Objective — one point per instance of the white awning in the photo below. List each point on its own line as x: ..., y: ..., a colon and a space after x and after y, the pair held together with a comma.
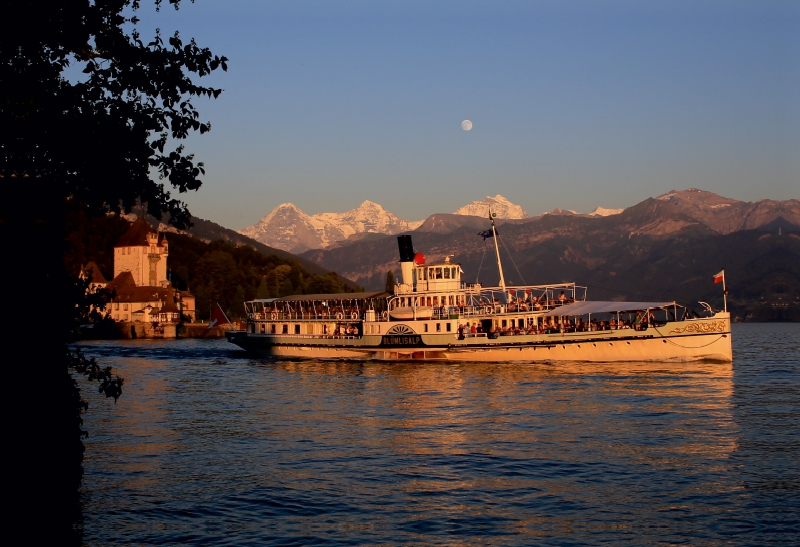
x: 583, y: 307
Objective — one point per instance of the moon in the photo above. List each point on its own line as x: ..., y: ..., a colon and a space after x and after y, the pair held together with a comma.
x: 466, y: 125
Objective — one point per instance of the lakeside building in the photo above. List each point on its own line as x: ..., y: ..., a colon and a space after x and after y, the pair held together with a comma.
x: 143, y: 291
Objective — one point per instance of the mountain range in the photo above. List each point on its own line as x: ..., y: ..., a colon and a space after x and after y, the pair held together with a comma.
x: 663, y: 247
x: 289, y: 228
x: 666, y: 247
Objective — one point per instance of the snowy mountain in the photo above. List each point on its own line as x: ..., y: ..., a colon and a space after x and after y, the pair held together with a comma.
x: 290, y: 229
x: 497, y: 204
x: 603, y: 212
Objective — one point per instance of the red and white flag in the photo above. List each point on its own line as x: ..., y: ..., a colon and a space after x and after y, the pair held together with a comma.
x: 720, y: 277
x: 217, y: 317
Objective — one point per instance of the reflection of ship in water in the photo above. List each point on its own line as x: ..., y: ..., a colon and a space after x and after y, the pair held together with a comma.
x: 543, y: 439
x: 532, y: 410
x: 435, y: 315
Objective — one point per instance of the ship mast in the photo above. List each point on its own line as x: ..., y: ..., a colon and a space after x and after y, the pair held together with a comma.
x: 497, y: 251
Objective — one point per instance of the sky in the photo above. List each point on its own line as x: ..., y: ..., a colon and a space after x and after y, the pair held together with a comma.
x: 574, y: 104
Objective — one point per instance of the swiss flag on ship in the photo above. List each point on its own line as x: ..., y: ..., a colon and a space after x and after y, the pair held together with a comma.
x: 217, y: 317
x: 720, y: 277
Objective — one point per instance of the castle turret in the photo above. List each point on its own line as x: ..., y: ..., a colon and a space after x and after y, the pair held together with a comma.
x: 140, y: 253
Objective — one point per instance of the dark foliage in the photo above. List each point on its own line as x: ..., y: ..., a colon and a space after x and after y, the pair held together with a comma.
x: 90, y: 142
x: 389, y: 282
x: 227, y: 274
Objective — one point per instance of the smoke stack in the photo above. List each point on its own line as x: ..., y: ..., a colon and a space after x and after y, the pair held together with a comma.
x: 406, y: 258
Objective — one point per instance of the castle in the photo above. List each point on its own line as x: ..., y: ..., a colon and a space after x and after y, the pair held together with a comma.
x: 143, y: 292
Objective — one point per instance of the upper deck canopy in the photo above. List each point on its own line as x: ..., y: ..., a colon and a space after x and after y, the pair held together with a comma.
x: 325, y: 297
x: 584, y: 307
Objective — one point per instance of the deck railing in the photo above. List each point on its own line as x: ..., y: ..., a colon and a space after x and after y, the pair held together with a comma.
x: 439, y: 313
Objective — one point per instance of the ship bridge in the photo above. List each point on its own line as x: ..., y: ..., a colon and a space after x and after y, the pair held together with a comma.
x: 445, y: 276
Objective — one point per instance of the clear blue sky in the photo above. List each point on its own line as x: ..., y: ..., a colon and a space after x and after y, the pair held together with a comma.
x: 575, y: 104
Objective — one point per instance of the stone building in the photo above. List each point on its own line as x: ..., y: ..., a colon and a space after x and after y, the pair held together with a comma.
x: 143, y: 293
x: 140, y: 252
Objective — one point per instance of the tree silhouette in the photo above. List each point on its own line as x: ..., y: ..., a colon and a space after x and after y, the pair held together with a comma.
x: 390, y: 282
x: 96, y: 141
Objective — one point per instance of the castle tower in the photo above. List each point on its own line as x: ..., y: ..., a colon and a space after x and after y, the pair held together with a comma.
x: 141, y: 253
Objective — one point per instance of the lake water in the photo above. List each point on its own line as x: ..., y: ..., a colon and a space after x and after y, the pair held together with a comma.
x: 209, y: 447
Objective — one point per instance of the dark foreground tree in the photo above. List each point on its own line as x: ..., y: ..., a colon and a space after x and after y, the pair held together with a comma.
x: 92, y: 141
x: 390, y: 282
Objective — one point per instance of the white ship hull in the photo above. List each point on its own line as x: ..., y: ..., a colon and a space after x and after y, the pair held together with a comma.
x: 706, y: 339
x: 435, y: 316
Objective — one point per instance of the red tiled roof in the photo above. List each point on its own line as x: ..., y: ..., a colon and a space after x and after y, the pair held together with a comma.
x: 127, y: 291
x: 136, y: 236
x: 96, y: 274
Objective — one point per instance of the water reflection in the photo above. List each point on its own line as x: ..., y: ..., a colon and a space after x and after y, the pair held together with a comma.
x: 206, y: 442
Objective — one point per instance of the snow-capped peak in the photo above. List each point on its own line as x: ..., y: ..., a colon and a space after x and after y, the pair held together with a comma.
x: 603, y: 212
x: 497, y: 204
x: 289, y: 228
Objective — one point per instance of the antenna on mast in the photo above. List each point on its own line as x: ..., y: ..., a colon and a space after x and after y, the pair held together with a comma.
x: 497, y: 252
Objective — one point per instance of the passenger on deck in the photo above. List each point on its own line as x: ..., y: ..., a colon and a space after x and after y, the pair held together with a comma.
x: 562, y: 298
x: 473, y: 329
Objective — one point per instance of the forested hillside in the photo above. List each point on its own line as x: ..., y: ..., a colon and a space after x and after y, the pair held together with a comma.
x: 215, y: 272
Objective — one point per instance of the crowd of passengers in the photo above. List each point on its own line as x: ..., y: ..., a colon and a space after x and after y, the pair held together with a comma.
x: 537, y: 303
x: 641, y: 322
x: 304, y: 311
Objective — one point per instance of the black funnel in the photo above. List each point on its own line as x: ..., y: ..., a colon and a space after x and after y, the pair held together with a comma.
x: 406, y: 248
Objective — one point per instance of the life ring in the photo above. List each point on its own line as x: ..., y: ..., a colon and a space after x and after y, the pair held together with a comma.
x: 354, y: 316
x: 339, y: 315
x: 385, y: 315
x: 273, y: 316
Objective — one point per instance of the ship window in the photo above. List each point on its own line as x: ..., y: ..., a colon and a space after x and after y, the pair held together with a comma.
x: 435, y: 301
x: 285, y: 329
x: 272, y: 329
x: 447, y: 273
x: 449, y: 327
x: 426, y: 327
x: 438, y: 327
x: 438, y: 273
x: 297, y: 329
x: 379, y: 329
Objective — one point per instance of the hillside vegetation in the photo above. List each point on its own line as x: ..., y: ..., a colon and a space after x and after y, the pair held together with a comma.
x: 215, y: 272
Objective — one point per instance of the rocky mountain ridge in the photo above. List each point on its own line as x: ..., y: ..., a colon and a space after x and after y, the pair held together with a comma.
x: 663, y: 247
x: 287, y: 227
x: 497, y: 204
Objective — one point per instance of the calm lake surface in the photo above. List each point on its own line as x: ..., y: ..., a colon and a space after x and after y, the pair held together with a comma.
x: 209, y: 447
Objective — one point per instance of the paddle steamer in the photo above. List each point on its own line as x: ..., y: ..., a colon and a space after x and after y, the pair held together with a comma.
x: 435, y: 315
